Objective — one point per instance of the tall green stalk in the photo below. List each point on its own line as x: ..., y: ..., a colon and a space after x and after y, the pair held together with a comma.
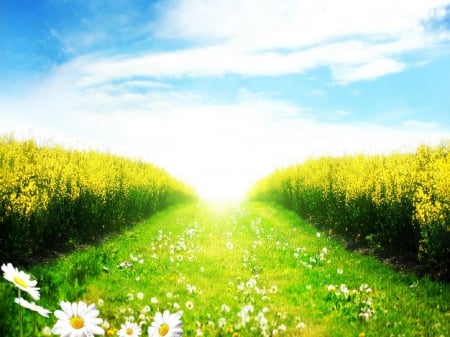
x: 20, y: 317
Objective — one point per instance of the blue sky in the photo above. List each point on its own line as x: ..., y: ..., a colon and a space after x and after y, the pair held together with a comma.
x: 221, y: 93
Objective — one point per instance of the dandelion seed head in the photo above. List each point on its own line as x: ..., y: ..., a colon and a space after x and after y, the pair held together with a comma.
x: 189, y: 305
x: 300, y: 326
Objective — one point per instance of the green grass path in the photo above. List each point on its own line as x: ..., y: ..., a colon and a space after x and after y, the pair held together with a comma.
x: 245, y: 270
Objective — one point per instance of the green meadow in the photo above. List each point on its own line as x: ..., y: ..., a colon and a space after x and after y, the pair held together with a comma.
x: 237, y: 269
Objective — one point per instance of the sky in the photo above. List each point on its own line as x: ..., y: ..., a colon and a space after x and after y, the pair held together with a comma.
x: 222, y: 93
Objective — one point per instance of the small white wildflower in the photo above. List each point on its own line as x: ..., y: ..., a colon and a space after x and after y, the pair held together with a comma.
x: 129, y: 329
x: 77, y: 319
x: 166, y: 324
x: 21, y: 280
x: 191, y: 288
x: 222, y: 322
x: 300, y: 325
x: 46, y: 331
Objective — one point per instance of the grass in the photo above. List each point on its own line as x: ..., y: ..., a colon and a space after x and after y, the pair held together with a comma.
x: 240, y: 270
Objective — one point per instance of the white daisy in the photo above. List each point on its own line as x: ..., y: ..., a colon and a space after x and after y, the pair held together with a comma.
x: 225, y: 308
x: 21, y: 280
x: 77, y: 320
x: 166, y: 325
x: 129, y: 330
x: 32, y: 306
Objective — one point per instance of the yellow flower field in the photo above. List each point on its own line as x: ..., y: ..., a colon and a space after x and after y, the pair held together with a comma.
x: 52, y: 197
x: 398, y: 203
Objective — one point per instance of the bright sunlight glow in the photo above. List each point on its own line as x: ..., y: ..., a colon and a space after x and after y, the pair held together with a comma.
x: 222, y: 150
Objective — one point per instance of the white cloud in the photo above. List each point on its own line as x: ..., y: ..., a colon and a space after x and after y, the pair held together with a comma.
x: 420, y: 126
x: 369, y: 36
x: 356, y: 40
x: 349, y: 61
x: 377, y: 68
x: 291, y: 23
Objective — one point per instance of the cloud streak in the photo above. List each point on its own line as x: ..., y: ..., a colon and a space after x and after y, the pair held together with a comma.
x: 349, y: 61
x: 355, y: 40
x: 291, y: 24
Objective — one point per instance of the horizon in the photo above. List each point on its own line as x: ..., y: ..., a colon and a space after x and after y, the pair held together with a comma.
x: 221, y: 93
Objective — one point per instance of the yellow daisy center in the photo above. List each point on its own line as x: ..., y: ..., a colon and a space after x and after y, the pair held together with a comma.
x: 20, y: 281
x: 76, y: 322
x: 163, y: 329
x: 129, y: 331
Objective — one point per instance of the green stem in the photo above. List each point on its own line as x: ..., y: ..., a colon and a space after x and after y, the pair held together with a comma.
x: 34, y: 324
x: 20, y: 318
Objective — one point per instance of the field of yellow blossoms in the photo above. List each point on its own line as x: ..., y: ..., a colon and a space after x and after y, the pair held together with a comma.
x: 51, y: 197
x: 397, y: 203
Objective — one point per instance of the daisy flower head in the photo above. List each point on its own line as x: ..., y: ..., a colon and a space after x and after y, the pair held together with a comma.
x: 129, y: 329
x: 77, y: 320
x: 166, y: 325
x: 32, y: 306
x: 21, y: 280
